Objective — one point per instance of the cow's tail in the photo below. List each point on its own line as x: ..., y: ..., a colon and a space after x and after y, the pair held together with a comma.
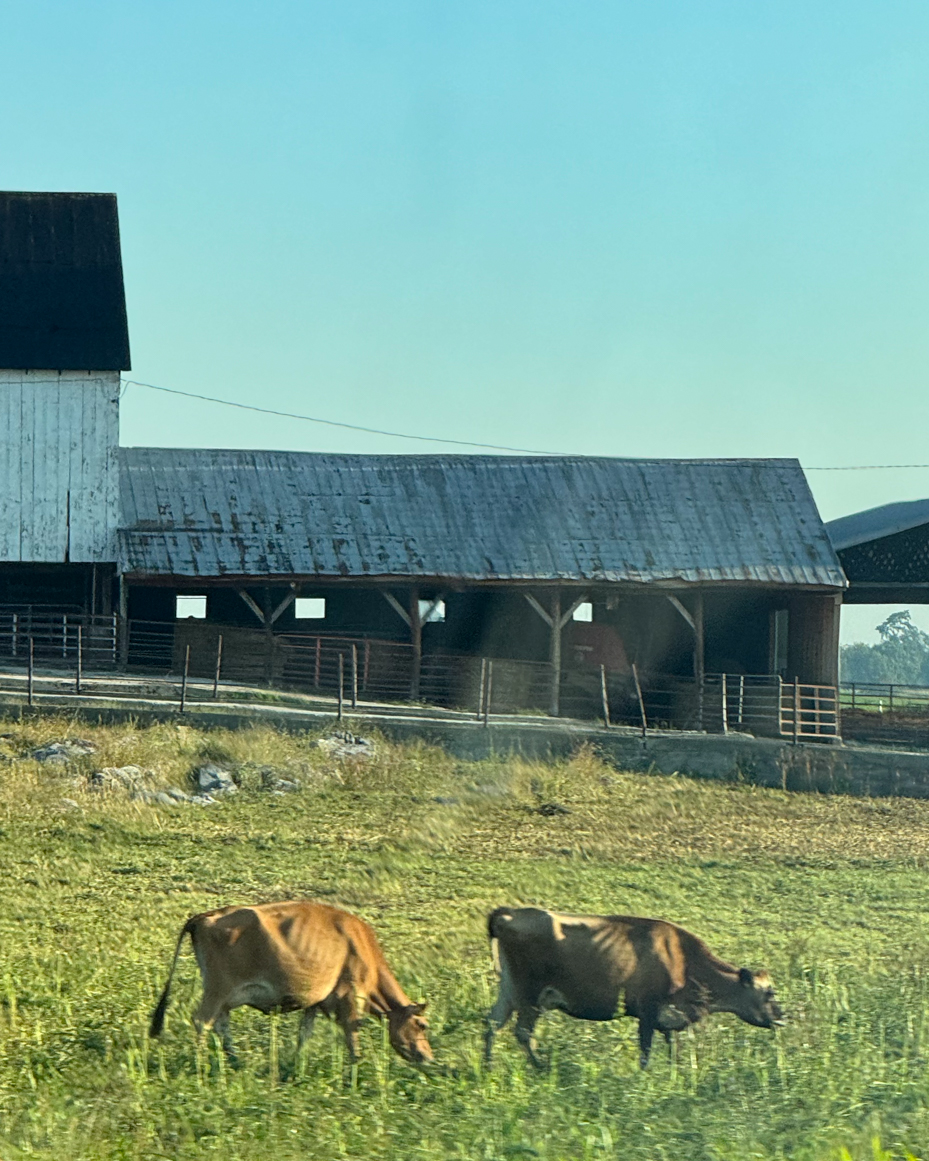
x: 493, y: 923
x: 158, y: 1016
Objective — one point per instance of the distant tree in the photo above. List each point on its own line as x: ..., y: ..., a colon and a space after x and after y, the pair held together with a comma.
x: 901, y: 656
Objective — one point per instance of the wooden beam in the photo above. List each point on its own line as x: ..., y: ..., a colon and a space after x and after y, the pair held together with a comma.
x: 397, y: 607
x: 572, y: 609
x: 543, y: 613
x: 557, y: 625
x: 285, y: 604
x: 416, y: 637
x: 683, y: 610
x: 251, y: 604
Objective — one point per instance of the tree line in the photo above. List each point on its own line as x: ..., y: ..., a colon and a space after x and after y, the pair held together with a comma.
x: 901, y: 656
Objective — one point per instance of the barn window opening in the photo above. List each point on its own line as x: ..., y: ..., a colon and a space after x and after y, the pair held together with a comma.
x: 583, y: 612
x: 310, y: 608
x: 431, y: 612
x: 187, y: 606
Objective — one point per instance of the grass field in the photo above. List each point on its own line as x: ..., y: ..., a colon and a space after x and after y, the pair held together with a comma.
x: 828, y: 893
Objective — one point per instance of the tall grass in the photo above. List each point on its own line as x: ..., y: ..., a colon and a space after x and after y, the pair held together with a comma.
x: 829, y: 894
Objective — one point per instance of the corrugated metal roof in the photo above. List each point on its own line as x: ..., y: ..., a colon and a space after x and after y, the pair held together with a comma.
x: 257, y: 513
x: 62, y: 303
x: 876, y: 523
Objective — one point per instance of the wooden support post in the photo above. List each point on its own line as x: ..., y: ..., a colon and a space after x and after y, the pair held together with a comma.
x: 604, y: 697
x: 184, y: 678
x: 480, y: 688
x: 341, y: 684
x: 638, y: 692
x: 554, y: 707
x: 725, y: 702
x: 699, y: 673
x: 80, y: 660
x: 354, y: 676
x: 123, y: 623
x: 489, y: 692
x: 30, y: 675
x: 416, y: 637
x: 319, y: 651
x: 796, y: 709
x: 219, y: 666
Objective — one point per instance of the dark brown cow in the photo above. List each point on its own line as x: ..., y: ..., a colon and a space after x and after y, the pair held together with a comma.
x: 301, y: 956
x: 584, y: 965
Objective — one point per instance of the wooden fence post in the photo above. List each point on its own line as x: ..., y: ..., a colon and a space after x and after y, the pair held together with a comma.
x: 354, y: 676
x: 796, y: 708
x: 30, y: 674
x: 489, y: 692
x: 725, y: 704
x: 80, y: 651
x: 319, y: 652
x: 341, y: 684
x: 638, y: 691
x: 219, y: 666
x: 481, y: 687
x: 741, y: 697
x: 184, y: 678
x: 604, y: 697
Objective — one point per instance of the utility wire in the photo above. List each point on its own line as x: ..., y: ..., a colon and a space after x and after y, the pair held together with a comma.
x: 337, y: 423
x: 457, y: 442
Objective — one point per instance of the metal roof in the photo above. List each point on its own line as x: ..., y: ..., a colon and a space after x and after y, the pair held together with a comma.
x: 62, y: 303
x: 876, y: 523
x: 211, y: 513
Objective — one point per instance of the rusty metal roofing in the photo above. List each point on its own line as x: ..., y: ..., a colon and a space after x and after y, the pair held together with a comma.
x: 62, y: 303
x: 876, y: 523
x: 211, y: 513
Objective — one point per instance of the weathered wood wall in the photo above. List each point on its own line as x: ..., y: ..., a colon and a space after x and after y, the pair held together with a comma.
x: 59, y: 476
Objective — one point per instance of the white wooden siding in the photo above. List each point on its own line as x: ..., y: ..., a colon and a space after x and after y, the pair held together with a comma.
x: 59, y: 472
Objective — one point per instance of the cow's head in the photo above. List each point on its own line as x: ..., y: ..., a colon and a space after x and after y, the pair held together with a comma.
x: 756, y: 1003
x: 407, y: 1030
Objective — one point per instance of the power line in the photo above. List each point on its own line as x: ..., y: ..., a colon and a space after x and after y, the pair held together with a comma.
x: 337, y: 423
x: 456, y: 442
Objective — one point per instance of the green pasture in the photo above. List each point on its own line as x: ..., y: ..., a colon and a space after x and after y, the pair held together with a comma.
x: 830, y: 894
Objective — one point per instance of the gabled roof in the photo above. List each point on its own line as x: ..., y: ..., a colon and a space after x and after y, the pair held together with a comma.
x: 876, y: 523
x: 62, y: 303
x: 522, y: 518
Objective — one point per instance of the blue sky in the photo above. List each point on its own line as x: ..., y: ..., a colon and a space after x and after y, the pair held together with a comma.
x: 670, y: 229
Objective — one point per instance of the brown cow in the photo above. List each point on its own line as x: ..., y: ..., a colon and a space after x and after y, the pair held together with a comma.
x: 291, y: 957
x: 584, y: 965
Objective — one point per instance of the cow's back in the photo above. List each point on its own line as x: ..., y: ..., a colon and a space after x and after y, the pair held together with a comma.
x: 282, y: 954
x: 586, y: 964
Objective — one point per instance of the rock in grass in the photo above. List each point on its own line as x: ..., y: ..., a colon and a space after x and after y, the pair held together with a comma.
x: 345, y: 745
x: 60, y: 753
x: 116, y: 777
x: 213, y: 779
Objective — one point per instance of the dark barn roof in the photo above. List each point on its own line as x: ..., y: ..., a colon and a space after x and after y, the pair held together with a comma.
x: 62, y: 303
x: 216, y: 513
x: 885, y: 552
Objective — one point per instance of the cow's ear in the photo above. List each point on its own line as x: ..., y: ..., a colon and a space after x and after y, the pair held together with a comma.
x: 418, y: 1009
x: 746, y: 979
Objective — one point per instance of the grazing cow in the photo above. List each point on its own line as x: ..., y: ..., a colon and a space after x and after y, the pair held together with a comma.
x: 584, y: 965
x: 300, y: 956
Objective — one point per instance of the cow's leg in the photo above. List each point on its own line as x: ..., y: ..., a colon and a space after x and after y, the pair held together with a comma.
x: 497, y: 1017
x: 307, y: 1020
x: 648, y: 1022
x: 222, y: 1029
x: 349, y: 1020
x: 525, y: 1026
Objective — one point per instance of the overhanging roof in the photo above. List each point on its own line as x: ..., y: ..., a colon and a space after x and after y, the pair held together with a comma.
x: 876, y: 523
x: 212, y: 513
x: 62, y: 303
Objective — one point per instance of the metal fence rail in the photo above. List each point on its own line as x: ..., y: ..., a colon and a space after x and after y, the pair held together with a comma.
x: 57, y: 637
x: 885, y: 712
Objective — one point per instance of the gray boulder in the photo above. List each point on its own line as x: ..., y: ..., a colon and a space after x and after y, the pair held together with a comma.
x: 60, y: 753
x: 213, y: 779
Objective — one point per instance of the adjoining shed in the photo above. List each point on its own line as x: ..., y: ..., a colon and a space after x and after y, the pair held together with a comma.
x: 885, y: 553
x: 681, y: 566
